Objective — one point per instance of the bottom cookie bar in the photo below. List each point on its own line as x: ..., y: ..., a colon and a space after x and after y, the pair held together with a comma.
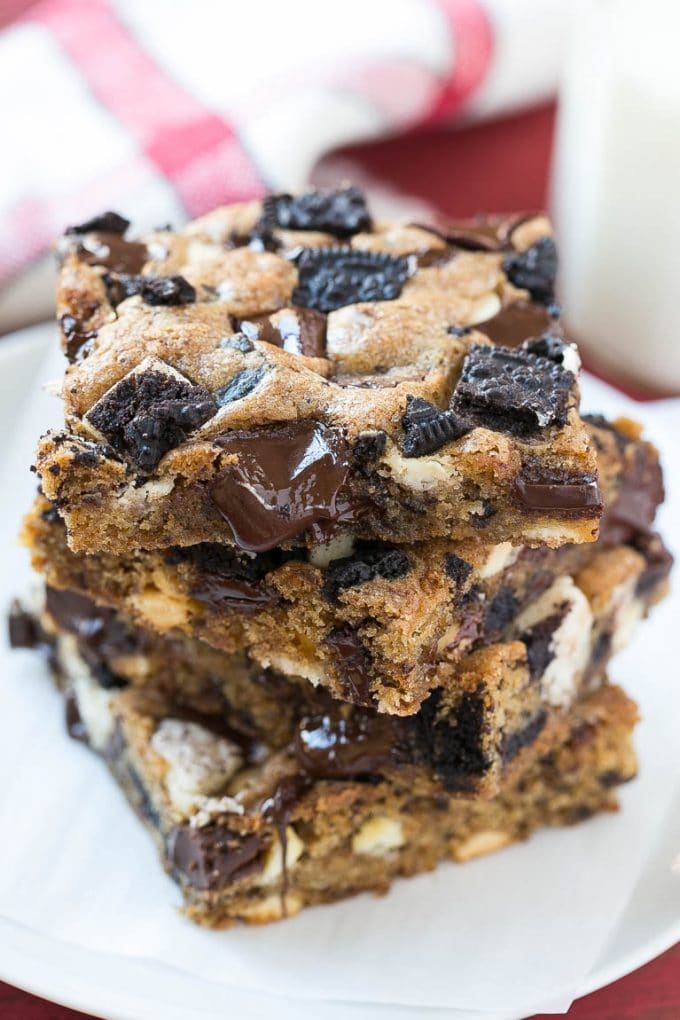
x: 255, y: 834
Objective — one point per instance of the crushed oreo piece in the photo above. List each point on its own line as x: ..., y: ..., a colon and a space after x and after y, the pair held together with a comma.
x: 458, y: 330
x: 108, y: 222
x: 369, y: 561
x: 353, y: 663
x: 150, y: 412
x: 369, y: 447
x: 330, y: 278
x: 513, y: 743
x: 501, y: 612
x: 535, y: 269
x: 239, y: 342
x: 511, y: 390
x: 223, y: 580
x: 427, y: 428
x: 457, y: 569
x: 538, y: 641
x: 154, y: 290
x: 342, y: 212
x: 549, y: 346
x: 452, y: 741
x: 240, y: 386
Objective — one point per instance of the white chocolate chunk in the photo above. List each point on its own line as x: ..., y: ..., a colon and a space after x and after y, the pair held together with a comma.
x: 485, y: 842
x: 273, y: 861
x: 377, y: 836
x: 501, y: 556
x: 338, y: 547
x: 93, y: 701
x: 417, y: 472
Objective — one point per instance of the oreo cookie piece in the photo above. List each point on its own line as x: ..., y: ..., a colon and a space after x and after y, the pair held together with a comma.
x: 554, y: 348
x: 457, y: 569
x: 427, y: 428
x: 223, y: 580
x: 107, y: 222
x: 150, y: 411
x: 511, y: 390
x: 330, y: 278
x: 341, y: 212
x: 534, y: 269
x: 240, y: 386
x: 154, y: 290
x: 451, y: 742
x: 370, y: 560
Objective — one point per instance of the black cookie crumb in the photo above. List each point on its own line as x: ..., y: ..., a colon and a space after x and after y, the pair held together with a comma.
x: 77, y: 341
x: 108, y: 222
x: 457, y: 569
x: 148, y: 413
x: 370, y: 560
x: 459, y: 330
x: 240, y: 386
x: 237, y: 343
x: 342, y: 213
x: 452, y: 741
x: 369, y: 447
x: 535, y: 269
x: 512, y: 390
x: 502, y: 610
x: 538, y: 641
x: 330, y: 278
x: 547, y: 346
x: 513, y: 743
x: 157, y: 290
x: 427, y: 428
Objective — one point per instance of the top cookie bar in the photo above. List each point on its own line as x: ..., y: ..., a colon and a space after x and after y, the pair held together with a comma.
x: 282, y: 371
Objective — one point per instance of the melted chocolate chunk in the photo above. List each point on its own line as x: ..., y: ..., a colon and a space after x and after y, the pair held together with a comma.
x: 113, y: 252
x: 511, y: 390
x: 332, y: 746
x: 148, y: 413
x: 427, y: 428
x: 501, y: 612
x: 24, y: 630
x: 109, y: 222
x: 452, y: 742
x: 330, y: 278
x: 485, y: 233
x: 353, y: 663
x: 212, y: 856
x: 297, y: 330
x: 639, y: 491
x: 226, y: 581
x: 534, y: 269
x: 97, y: 628
x: 240, y: 386
x: 516, y: 323
x: 287, y: 479
x: 76, y: 339
x: 341, y: 213
x: 538, y: 641
x: 513, y: 743
x: 154, y: 290
x: 369, y: 447
x: 457, y: 569
x: 368, y: 561
x: 568, y: 493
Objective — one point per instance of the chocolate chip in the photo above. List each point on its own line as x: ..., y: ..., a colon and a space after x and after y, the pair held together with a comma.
x: 511, y: 390
x: 150, y: 412
x: 369, y: 561
x: 332, y: 277
x: 287, y: 478
x: 513, y: 743
x: 224, y: 581
x: 369, y: 447
x: 237, y: 343
x: 98, y: 629
x: 212, y: 856
x: 558, y: 492
x: 516, y: 322
x: 108, y: 222
x: 154, y: 290
x: 427, y: 428
x: 353, y: 663
x: 342, y: 212
x: 240, y: 386
x: 457, y: 569
x: 502, y: 610
x: 534, y: 269
x: 451, y: 741
x: 335, y: 746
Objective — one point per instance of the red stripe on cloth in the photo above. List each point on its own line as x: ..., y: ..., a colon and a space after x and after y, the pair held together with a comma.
x: 472, y: 43
x: 171, y: 127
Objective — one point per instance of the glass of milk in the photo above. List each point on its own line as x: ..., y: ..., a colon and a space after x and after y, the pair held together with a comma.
x: 616, y: 188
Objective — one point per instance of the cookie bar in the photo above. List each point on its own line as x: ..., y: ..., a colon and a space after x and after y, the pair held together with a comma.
x: 374, y: 623
x: 288, y: 371
x: 254, y: 835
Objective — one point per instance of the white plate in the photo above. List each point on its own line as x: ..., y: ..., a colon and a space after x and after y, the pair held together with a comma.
x: 118, y: 986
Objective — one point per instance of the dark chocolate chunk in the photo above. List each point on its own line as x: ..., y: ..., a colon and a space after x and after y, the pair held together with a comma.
x: 483, y: 233
x: 76, y: 339
x: 112, y: 251
x: 148, y: 413
x: 369, y: 447
x: 368, y: 561
x: 342, y: 212
x: 226, y: 581
x: 516, y: 323
x: 353, y: 663
x: 334, y: 746
x: 238, y: 343
x: 457, y: 569
x: 538, y: 641
x: 511, y: 390
x: 427, y: 428
x: 97, y: 628
x: 513, y: 743
x: 109, y: 222
x: 212, y: 856
x: 451, y: 741
x: 639, y: 491
x: 534, y: 269
x: 287, y: 478
x: 297, y: 330
x: 568, y: 493
x: 24, y: 629
x: 501, y: 612
x: 154, y: 290
x: 332, y: 277
x: 659, y: 563
x: 240, y: 386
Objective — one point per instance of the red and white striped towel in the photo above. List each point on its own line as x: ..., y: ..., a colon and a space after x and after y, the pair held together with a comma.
x: 166, y: 108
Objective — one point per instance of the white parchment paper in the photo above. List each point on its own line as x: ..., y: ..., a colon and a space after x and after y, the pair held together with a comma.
x: 508, y: 934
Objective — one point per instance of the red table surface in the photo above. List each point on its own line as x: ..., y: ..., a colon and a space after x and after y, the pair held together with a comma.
x: 499, y: 166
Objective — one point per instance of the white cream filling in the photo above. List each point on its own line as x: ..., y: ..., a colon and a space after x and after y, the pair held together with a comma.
x: 200, y: 763
x: 93, y: 701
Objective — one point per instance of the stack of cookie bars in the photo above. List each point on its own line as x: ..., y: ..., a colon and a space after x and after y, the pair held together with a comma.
x: 333, y: 565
